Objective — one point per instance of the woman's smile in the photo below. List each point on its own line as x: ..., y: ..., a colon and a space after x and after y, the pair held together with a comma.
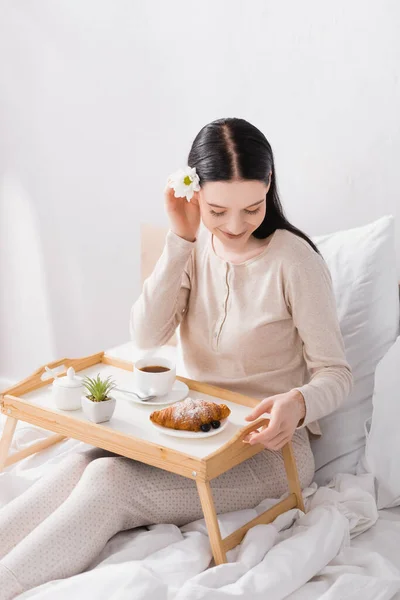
x: 232, y: 236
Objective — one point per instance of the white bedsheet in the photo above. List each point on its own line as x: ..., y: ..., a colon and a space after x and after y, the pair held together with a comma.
x: 334, y: 551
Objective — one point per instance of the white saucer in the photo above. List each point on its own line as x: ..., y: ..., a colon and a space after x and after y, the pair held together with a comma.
x: 179, y: 392
x: 191, y: 434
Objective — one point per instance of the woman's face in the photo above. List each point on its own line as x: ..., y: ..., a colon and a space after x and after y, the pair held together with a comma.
x: 232, y: 210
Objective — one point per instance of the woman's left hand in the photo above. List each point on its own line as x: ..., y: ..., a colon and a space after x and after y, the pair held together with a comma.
x: 286, y: 410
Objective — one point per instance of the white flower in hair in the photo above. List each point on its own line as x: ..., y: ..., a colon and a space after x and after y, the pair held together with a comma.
x: 184, y: 182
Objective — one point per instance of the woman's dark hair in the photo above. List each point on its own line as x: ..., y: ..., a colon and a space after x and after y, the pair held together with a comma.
x: 232, y: 148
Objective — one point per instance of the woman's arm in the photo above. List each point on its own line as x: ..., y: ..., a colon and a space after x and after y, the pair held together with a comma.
x: 160, y: 308
x: 312, y: 304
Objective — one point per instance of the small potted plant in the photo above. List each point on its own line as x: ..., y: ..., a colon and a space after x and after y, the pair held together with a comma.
x: 98, y: 405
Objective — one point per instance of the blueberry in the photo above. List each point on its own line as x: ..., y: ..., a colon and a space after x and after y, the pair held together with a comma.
x: 215, y: 424
x: 206, y: 427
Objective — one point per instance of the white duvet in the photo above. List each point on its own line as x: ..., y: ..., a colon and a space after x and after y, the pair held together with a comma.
x: 299, y: 556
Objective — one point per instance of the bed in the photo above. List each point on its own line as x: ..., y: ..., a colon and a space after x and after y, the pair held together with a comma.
x: 309, y: 556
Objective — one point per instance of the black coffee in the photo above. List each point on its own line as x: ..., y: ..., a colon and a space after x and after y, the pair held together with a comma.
x: 154, y: 369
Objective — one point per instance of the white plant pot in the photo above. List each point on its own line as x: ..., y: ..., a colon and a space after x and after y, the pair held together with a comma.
x: 98, y: 412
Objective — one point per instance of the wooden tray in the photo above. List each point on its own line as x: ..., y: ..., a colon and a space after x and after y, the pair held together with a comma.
x: 130, y: 433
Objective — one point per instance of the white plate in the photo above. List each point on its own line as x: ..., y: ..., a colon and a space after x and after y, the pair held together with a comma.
x: 179, y: 392
x: 191, y: 434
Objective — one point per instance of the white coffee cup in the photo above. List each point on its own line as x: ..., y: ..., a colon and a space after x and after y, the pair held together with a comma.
x: 154, y: 383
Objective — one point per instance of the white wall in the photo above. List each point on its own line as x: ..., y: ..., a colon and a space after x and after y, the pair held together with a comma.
x: 99, y: 102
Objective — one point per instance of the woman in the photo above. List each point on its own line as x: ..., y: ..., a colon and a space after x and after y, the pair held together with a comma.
x: 257, y: 315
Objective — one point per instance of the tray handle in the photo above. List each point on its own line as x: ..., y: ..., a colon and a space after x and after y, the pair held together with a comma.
x: 36, y: 380
x: 236, y: 444
x: 241, y: 434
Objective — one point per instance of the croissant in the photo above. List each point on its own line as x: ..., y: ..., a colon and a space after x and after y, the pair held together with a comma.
x: 190, y: 414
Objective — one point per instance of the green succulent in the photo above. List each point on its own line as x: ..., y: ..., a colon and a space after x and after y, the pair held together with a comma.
x: 98, y: 388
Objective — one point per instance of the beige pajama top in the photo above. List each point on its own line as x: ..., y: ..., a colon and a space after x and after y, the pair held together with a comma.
x: 262, y: 327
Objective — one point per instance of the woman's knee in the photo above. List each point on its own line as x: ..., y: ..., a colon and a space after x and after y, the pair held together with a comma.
x: 110, y: 471
x: 75, y: 463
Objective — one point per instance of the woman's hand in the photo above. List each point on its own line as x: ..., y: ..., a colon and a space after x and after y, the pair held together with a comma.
x: 184, y: 216
x: 286, y: 410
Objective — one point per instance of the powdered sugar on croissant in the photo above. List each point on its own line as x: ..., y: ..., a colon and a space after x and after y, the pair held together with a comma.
x: 190, y: 414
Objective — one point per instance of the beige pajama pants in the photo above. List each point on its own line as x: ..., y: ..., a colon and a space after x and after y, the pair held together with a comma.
x: 57, y: 527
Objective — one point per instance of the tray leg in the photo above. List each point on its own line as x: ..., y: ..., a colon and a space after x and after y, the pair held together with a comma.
x: 7, y: 459
x: 6, y: 439
x: 210, y: 516
x: 36, y: 447
x: 292, y: 474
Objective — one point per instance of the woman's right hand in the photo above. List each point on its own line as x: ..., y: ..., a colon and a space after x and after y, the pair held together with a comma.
x: 184, y: 216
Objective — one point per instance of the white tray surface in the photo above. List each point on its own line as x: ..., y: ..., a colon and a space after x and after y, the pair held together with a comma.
x: 133, y: 419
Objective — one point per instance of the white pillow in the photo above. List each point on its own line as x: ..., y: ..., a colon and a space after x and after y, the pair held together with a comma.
x: 382, y: 448
x: 362, y: 262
